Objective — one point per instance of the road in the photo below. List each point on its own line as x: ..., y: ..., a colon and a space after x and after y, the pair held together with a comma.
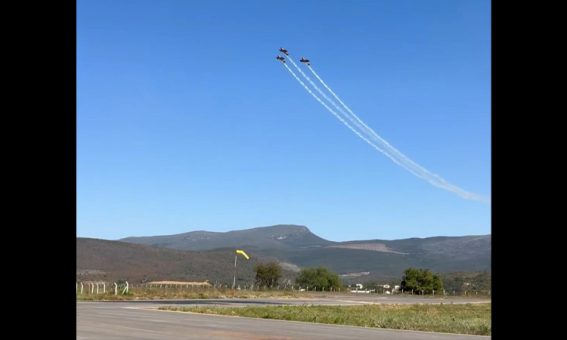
x: 329, y: 300
x: 142, y: 320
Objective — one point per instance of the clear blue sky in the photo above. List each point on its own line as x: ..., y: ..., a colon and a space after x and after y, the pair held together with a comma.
x: 186, y: 121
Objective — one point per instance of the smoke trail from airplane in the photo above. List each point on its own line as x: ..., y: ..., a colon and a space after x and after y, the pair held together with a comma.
x: 340, y: 109
x: 385, y: 148
x: 408, y: 164
x: 339, y: 117
x: 351, y: 117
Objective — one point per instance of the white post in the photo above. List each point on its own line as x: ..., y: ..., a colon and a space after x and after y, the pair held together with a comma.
x: 234, y: 279
x: 433, y: 292
x: 81, y: 288
x: 76, y: 287
x: 97, y: 287
x: 104, y: 288
x: 115, y: 288
x: 92, y: 288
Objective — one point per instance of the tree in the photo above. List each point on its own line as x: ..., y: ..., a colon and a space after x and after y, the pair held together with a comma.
x: 421, y: 280
x: 268, y: 274
x: 318, y: 278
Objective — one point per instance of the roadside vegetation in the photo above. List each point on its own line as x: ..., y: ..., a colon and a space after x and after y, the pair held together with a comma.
x: 422, y: 281
x: 315, y: 282
x: 319, y: 278
x: 268, y: 274
x: 173, y: 293
x: 448, y: 318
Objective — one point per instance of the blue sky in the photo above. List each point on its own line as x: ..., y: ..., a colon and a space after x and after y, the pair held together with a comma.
x: 186, y: 121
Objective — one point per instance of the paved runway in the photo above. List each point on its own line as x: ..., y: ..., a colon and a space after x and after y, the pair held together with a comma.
x: 142, y: 320
x: 334, y: 300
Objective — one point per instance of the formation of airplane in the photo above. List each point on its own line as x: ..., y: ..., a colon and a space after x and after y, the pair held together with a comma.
x: 305, y: 61
x: 284, y: 51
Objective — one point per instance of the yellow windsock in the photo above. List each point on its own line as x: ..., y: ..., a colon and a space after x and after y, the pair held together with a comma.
x: 243, y: 253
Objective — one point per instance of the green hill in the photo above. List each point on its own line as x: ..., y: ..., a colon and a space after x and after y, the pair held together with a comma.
x: 298, y: 246
x: 114, y: 260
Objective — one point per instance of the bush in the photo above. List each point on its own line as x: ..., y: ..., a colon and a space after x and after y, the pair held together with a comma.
x: 421, y: 280
x: 318, y: 278
x: 268, y: 274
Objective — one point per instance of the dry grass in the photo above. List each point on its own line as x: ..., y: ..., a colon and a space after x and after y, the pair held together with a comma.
x: 196, y: 293
x: 458, y: 318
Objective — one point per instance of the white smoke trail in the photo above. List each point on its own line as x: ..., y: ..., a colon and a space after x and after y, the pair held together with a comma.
x: 339, y: 117
x: 365, y: 127
x: 351, y: 117
x: 432, y: 178
x: 386, y: 149
x: 340, y: 109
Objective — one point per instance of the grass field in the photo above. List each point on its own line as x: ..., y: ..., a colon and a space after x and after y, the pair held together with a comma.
x: 160, y: 293
x: 463, y: 319
x: 155, y: 293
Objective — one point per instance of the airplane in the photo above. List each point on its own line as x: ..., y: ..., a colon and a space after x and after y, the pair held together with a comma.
x: 283, y: 50
x: 282, y: 59
x: 305, y: 61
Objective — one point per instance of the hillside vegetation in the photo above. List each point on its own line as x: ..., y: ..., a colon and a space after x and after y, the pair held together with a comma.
x: 200, y: 255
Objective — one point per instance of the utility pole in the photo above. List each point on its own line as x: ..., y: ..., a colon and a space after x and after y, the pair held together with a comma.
x: 234, y: 279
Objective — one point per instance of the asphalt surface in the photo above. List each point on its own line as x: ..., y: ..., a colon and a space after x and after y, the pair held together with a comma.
x: 142, y: 320
x: 334, y: 300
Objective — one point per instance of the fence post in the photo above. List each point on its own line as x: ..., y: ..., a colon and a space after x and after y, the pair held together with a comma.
x: 92, y: 288
x: 115, y: 288
x: 433, y: 292
x: 82, y: 288
x: 104, y: 287
x: 97, y: 287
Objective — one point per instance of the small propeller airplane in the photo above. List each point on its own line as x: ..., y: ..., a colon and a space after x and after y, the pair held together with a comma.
x: 305, y: 61
x: 283, y: 50
x: 282, y: 59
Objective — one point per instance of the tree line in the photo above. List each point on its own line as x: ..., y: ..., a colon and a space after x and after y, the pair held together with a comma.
x: 319, y: 278
x: 420, y: 281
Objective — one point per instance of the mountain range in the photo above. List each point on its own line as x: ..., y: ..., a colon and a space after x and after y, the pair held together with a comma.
x: 199, y: 255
